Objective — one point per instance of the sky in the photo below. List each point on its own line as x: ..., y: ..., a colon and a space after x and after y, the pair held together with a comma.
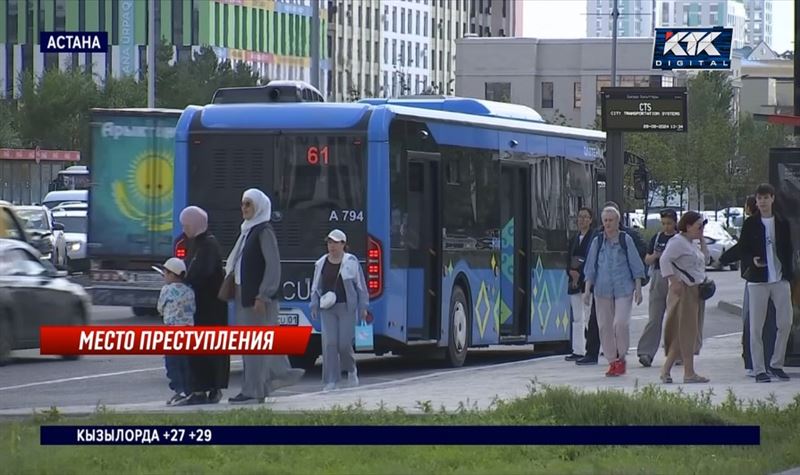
x: 566, y: 19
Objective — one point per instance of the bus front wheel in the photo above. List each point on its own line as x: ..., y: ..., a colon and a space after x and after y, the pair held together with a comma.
x: 459, y: 328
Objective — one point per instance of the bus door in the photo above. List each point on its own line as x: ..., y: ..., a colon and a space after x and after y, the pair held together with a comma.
x: 515, y: 249
x: 784, y: 175
x: 424, y: 235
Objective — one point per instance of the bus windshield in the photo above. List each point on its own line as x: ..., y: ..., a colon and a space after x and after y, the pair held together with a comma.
x: 316, y: 183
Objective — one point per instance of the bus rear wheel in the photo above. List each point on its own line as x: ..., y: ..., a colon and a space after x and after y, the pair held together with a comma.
x: 459, y: 328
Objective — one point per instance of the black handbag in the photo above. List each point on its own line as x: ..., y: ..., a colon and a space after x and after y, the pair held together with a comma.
x: 707, y: 288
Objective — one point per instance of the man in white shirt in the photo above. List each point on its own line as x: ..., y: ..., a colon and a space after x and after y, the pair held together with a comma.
x: 766, y: 251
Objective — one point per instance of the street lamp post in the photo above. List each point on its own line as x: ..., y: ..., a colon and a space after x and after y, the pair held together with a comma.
x: 615, y: 148
x: 151, y: 54
x: 614, y: 18
x: 315, y: 46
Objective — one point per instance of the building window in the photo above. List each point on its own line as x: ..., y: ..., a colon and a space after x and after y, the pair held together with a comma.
x: 417, y: 25
x: 385, y: 51
x: 547, y: 95
x: 425, y: 25
x: 368, y: 18
x: 498, y: 91
x: 576, y: 95
x: 402, y: 20
x: 394, y: 19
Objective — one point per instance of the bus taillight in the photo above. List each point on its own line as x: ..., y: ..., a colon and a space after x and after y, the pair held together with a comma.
x: 180, y: 249
x: 374, y: 267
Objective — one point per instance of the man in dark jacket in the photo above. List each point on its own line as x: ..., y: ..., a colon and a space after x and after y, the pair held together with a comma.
x: 766, y: 252
x: 593, y: 331
x: 578, y: 247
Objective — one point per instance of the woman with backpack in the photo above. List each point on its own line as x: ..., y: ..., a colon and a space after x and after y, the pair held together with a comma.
x: 651, y: 336
x: 614, y: 273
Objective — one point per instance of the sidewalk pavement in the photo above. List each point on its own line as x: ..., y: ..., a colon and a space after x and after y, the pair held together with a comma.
x: 720, y: 359
x: 734, y: 307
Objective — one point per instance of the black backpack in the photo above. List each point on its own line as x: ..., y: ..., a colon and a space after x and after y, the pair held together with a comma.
x: 623, y: 242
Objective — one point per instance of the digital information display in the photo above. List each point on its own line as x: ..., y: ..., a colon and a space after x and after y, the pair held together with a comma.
x: 635, y: 109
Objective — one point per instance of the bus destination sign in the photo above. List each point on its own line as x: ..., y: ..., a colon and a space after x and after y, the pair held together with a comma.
x: 634, y: 109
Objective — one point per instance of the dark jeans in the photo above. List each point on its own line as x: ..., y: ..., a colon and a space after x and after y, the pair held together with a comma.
x: 767, y: 337
x: 178, y: 373
x: 593, y: 335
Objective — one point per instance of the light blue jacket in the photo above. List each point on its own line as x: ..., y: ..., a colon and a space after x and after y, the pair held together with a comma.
x: 355, y: 286
x: 615, y: 273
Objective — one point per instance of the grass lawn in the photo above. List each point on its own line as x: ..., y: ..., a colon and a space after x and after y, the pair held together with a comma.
x: 20, y: 452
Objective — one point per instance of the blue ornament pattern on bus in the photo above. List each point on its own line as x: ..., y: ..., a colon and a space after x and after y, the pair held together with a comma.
x: 549, y: 303
x: 506, y: 302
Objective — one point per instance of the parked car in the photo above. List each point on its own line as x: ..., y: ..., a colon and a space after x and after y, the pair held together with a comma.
x: 46, y: 233
x: 54, y: 198
x: 75, y: 222
x: 33, y: 293
x: 11, y: 226
x: 718, y: 241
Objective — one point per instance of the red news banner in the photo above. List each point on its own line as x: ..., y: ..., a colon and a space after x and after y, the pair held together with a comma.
x: 173, y: 340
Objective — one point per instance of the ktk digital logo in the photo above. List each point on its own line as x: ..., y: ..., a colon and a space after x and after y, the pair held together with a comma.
x: 692, y: 48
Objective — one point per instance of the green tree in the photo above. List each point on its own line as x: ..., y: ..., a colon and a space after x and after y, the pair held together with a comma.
x: 194, y: 81
x: 755, y: 140
x: 124, y: 92
x: 53, y: 110
x: 9, y: 134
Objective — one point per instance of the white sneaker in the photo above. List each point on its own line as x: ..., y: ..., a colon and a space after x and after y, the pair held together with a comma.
x: 329, y: 387
x: 352, y: 379
x: 750, y: 373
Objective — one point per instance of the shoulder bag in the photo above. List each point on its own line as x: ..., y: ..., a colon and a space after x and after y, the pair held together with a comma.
x: 707, y: 287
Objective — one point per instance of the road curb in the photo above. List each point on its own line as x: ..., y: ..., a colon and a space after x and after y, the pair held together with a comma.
x: 730, y: 307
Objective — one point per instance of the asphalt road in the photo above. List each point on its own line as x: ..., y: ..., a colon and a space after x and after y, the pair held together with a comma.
x: 31, y: 380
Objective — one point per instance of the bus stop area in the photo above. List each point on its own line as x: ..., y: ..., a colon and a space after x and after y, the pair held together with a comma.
x: 476, y: 386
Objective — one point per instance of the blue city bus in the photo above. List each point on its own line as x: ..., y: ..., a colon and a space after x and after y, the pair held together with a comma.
x: 459, y: 208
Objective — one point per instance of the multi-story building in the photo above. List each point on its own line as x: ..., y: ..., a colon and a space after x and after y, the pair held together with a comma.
x: 532, y: 72
x: 495, y: 17
x: 728, y: 13
x: 637, y: 18
x: 767, y: 81
x: 272, y: 35
x: 759, y: 22
x: 395, y: 47
x: 355, y: 48
x: 751, y: 20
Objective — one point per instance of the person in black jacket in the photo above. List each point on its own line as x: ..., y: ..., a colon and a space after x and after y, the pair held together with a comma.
x: 204, y: 274
x: 766, y: 252
x: 578, y: 247
x: 731, y: 256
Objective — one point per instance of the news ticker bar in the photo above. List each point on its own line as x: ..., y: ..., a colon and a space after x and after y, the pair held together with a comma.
x: 400, y: 435
x: 173, y: 340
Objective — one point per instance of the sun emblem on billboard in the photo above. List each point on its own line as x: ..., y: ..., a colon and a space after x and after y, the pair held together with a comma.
x: 145, y: 196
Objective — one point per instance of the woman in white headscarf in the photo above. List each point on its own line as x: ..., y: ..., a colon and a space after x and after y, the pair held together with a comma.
x: 256, y: 267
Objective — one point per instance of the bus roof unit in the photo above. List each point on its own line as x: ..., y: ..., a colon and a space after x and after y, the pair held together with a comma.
x: 463, y: 105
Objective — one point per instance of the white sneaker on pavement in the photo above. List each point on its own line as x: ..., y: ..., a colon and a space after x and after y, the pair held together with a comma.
x: 329, y: 387
x: 352, y: 379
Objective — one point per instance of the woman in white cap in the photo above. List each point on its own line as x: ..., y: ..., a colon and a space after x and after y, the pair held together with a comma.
x: 338, y: 295
x: 255, y: 265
